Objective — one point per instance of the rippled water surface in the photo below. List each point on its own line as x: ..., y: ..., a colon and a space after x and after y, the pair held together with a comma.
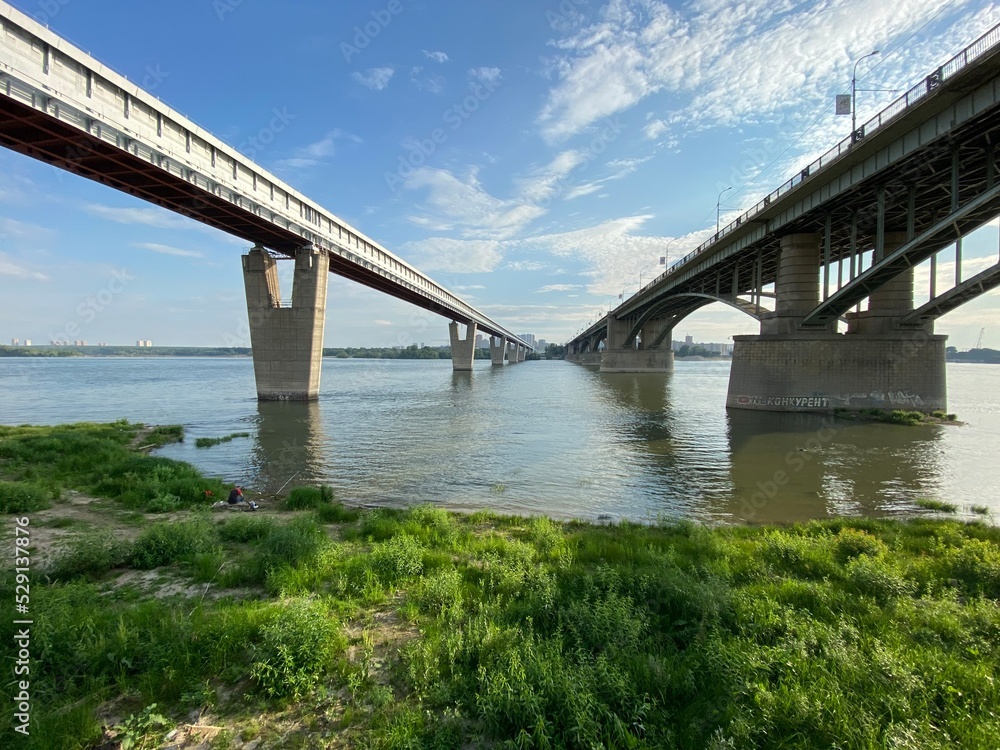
x: 539, y: 437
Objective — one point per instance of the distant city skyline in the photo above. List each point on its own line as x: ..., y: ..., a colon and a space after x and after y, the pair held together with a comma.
x: 538, y: 171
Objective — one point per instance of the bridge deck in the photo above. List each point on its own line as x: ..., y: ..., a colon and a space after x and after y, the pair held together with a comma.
x: 61, y: 106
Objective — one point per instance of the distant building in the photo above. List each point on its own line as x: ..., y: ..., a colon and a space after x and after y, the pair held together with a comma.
x: 542, y: 344
x: 529, y: 338
x: 482, y: 342
x: 15, y: 342
x: 79, y: 342
x: 689, y: 340
x: 142, y: 343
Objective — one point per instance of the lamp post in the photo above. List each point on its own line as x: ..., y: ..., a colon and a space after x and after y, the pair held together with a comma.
x: 718, y: 205
x: 854, y: 107
x: 661, y: 262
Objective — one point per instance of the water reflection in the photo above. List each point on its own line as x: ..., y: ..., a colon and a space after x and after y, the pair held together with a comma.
x: 794, y: 467
x: 289, y: 444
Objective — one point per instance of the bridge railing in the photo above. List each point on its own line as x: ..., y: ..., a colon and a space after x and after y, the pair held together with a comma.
x: 977, y: 49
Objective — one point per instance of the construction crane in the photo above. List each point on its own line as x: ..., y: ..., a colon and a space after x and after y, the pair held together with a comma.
x: 979, y: 341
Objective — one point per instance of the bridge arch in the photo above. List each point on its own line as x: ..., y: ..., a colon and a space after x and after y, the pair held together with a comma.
x: 751, y: 309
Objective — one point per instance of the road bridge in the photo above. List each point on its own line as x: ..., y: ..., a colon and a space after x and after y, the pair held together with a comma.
x: 61, y: 106
x: 850, y: 227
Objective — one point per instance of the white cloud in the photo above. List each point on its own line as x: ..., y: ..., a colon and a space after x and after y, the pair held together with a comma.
x: 455, y: 256
x: 152, y: 217
x: 544, y: 182
x: 319, y: 152
x: 439, y: 57
x: 8, y: 267
x: 558, y: 288
x: 526, y: 265
x: 382, y: 322
x: 377, y: 79
x: 614, y: 251
x: 466, y: 205
x: 489, y: 76
x: 734, y: 63
x: 168, y: 250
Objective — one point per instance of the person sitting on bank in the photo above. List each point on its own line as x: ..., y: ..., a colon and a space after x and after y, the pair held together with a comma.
x: 236, y: 495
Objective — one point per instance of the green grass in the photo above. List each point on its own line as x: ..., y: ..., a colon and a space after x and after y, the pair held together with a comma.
x: 422, y: 628
x: 21, y: 497
x: 982, y: 510
x: 936, y: 505
x: 206, y: 442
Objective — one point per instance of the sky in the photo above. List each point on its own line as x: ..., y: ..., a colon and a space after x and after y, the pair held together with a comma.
x: 535, y: 157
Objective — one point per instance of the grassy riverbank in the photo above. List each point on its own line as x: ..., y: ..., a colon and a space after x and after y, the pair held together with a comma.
x: 309, y: 624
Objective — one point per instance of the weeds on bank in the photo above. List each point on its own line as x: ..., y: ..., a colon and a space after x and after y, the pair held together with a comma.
x: 422, y: 628
x: 206, y: 442
x: 36, y: 463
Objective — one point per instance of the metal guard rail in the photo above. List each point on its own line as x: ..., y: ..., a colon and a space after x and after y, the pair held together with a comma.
x: 985, y: 43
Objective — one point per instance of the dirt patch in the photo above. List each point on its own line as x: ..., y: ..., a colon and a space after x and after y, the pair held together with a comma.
x: 73, y: 515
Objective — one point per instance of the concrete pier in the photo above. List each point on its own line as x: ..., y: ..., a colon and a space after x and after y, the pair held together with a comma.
x: 498, y: 349
x: 623, y: 355
x: 637, y: 360
x: 512, y: 347
x: 771, y: 373
x: 888, y: 303
x: 873, y: 365
x: 287, y: 342
x: 463, y: 351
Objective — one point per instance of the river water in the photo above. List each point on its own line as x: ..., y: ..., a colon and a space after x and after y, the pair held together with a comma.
x: 546, y: 437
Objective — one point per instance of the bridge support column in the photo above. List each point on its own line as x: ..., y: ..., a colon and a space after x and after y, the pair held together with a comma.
x: 621, y: 355
x: 287, y: 342
x: 463, y: 351
x: 498, y: 347
x: 889, y: 302
x: 797, y: 288
x: 522, y: 353
x: 872, y: 366
x: 512, y: 348
x: 819, y: 374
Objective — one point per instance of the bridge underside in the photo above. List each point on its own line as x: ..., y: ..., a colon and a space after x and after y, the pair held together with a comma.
x: 850, y: 232
x: 28, y: 131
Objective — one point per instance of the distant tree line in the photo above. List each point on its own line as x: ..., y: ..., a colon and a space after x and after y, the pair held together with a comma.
x: 413, y: 351
x: 123, y: 351
x: 693, y: 350
x: 989, y: 356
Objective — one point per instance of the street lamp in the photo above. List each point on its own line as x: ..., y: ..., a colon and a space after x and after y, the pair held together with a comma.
x: 718, y: 204
x: 854, y: 107
x: 661, y: 262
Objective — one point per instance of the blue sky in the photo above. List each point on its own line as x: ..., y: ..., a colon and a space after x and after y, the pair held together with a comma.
x: 534, y: 157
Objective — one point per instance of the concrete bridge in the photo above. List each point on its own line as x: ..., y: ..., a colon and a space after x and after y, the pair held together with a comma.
x: 851, y: 226
x: 61, y: 106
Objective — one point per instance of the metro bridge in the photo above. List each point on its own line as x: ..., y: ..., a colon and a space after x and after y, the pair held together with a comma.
x: 61, y: 106
x: 851, y: 226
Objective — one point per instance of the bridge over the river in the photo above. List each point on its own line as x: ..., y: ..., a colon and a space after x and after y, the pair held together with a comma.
x: 851, y: 226
x: 61, y: 106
